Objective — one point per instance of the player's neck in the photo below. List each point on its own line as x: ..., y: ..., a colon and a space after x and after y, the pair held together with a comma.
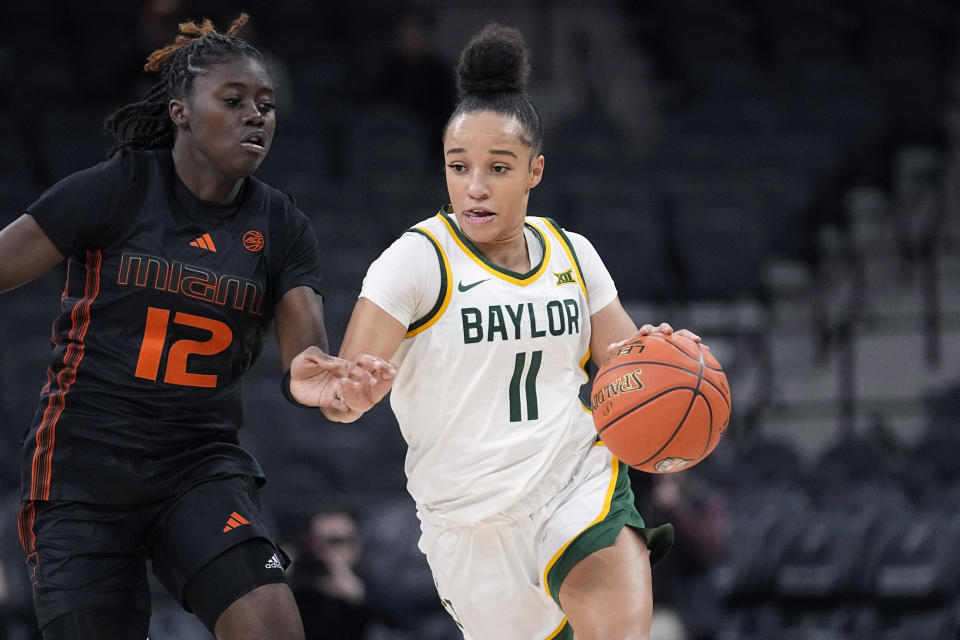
x: 511, y: 254
x: 203, y: 181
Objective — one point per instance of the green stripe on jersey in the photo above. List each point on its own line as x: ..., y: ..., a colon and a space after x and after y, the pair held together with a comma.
x: 443, y: 284
x: 446, y: 213
x: 566, y: 241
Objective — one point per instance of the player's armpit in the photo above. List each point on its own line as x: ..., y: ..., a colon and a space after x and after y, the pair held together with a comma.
x: 26, y: 253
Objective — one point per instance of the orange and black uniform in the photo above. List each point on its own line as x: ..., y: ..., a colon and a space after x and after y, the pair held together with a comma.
x: 166, y: 305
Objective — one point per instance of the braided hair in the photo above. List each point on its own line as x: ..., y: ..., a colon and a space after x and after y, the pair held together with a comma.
x: 492, y: 76
x: 146, y: 124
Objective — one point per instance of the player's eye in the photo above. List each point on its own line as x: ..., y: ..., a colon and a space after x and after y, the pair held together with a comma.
x: 457, y: 167
x: 266, y: 107
x: 233, y: 102
x: 500, y: 168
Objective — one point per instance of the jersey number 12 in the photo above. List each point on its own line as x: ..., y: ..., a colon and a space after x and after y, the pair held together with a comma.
x: 155, y: 338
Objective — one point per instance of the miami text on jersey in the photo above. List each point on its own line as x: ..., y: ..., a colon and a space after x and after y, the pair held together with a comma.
x: 190, y: 280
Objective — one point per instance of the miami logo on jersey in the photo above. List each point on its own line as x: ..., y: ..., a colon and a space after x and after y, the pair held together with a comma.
x: 190, y: 280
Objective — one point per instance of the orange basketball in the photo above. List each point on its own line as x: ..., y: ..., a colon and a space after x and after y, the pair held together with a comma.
x: 661, y: 403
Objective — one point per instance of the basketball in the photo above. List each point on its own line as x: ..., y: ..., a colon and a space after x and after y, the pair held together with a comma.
x: 661, y: 403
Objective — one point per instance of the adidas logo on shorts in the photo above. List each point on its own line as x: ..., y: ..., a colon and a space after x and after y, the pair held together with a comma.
x: 273, y: 563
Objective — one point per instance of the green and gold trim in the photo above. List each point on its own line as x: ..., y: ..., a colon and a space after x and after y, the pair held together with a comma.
x: 556, y: 230
x: 583, y: 366
x: 618, y: 512
x: 443, y: 298
x: 563, y: 632
x: 603, y: 514
x: 522, y: 279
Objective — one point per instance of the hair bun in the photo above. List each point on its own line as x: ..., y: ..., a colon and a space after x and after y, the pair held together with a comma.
x: 495, y: 60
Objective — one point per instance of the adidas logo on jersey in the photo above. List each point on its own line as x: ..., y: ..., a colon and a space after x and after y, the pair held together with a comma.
x: 235, y: 520
x: 273, y: 563
x: 204, y: 242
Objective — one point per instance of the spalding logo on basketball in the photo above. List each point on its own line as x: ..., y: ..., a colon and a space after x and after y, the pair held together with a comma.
x: 661, y: 403
x: 253, y: 241
x: 601, y: 399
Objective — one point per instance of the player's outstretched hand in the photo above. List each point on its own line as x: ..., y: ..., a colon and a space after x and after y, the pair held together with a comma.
x: 314, y: 378
x: 370, y: 379
x: 649, y: 329
x: 343, y: 389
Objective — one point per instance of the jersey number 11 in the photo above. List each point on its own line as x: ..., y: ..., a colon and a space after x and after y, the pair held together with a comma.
x: 529, y: 385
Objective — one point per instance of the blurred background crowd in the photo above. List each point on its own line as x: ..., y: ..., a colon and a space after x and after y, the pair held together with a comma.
x: 780, y: 176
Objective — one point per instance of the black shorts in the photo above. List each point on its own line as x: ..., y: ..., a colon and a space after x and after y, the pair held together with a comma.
x: 82, y: 555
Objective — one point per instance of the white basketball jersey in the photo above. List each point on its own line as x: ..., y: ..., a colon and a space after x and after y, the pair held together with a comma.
x: 487, y: 389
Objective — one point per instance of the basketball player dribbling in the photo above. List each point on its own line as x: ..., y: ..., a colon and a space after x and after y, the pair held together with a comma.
x: 528, y: 523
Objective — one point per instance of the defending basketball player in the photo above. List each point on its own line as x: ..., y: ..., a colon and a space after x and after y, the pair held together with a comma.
x: 177, y: 260
x: 528, y: 523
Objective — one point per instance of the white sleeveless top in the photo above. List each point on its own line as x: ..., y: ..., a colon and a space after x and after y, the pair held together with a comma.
x: 487, y: 391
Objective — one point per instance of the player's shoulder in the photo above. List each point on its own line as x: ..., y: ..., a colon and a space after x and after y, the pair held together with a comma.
x: 554, y: 228
x: 108, y: 181
x: 137, y: 167
x: 115, y: 168
x: 424, y: 238
x: 277, y: 201
x: 546, y: 222
x: 136, y: 162
x: 263, y: 190
x: 431, y: 231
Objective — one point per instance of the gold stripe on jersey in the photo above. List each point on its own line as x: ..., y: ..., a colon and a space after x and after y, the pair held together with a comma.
x: 572, y: 255
x: 443, y: 298
x: 522, y: 279
x: 607, y: 501
x: 583, y: 366
x: 568, y: 248
x: 558, y: 633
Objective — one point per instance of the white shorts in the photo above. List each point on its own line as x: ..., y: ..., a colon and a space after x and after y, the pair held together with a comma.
x: 499, y: 580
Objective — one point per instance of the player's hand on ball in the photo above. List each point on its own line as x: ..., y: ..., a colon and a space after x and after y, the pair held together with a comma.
x: 649, y: 329
x: 666, y: 330
x: 661, y: 402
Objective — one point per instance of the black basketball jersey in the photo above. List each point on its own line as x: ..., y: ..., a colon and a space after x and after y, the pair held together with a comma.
x: 165, y: 306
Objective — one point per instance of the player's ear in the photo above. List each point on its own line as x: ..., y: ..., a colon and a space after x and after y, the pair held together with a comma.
x: 536, y: 172
x: 178, y: 113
